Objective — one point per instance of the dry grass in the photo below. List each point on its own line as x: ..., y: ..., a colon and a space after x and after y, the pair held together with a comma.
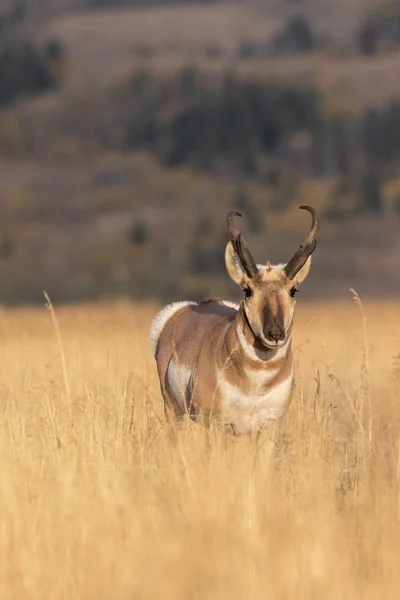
x: 96, y: 503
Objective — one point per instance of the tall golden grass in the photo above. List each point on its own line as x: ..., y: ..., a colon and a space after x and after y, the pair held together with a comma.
x: 97, y: 503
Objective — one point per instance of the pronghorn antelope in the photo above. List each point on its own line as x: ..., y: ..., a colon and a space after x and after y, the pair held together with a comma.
x: 234, y: 363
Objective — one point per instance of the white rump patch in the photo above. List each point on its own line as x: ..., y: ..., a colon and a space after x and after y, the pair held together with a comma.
x: 161, y: 318
x: 180, y: 383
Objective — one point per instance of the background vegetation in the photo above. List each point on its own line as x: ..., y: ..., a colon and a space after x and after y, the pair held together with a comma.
x: 126, y: 136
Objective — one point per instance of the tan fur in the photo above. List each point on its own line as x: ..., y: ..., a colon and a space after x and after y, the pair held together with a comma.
x: 216, y: 362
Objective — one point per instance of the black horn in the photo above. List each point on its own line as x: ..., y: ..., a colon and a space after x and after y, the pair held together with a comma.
x: 306, y: 248
x: 240, y: 247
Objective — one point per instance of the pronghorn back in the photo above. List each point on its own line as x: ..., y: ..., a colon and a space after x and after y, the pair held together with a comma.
x: 181, y: 321
x: 180, y: 335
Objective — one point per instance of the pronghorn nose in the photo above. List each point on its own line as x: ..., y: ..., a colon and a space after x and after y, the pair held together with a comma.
x: 275, y: 334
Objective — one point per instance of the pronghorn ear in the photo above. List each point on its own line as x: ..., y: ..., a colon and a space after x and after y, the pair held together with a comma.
x: 233, y: 265
x: 304, y: 271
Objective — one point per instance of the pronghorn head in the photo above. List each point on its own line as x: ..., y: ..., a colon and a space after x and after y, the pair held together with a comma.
x: 269, y: 291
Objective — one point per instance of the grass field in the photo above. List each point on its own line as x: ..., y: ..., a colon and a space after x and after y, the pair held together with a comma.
x: 96, y: 503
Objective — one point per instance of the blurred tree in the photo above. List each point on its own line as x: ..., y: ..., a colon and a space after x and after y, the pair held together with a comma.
x: 223, y: 121
x: 141, y: 82
x: 372, y: 135
x: 244, y: 205
x: 54, y: 50
x: 213, y: 51
x: 138, y: 233
x: 25, y: 68
x: 381, y: 28
x: 368, y: 38
x: 206, y: 151
x: 370, y: 191
x: 285, y: 192
x: 341, y: 200
x: 204, y: 227
x: 396, y: 204
x: 250, y: 50
x: 340, y: 146
x: 380, y: 134
x: 142, y: 127
x: 273, y: 177
x: 188, y: 87
x: 12, y: 15
x: 295, y: 37
x: 205, y: 251
x: 7, y: 243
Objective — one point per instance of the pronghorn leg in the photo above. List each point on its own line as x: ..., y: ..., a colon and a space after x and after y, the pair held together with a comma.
x: 173, y: 417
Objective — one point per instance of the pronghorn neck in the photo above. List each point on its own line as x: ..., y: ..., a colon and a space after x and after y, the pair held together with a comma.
x: 251, y: 349
x: 255, y: 383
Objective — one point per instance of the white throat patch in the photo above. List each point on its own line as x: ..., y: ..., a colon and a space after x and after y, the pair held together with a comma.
x: 249, y: 412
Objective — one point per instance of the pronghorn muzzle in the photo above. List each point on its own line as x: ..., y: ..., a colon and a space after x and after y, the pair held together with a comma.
x: 306, y: 248
x: 275, y: 334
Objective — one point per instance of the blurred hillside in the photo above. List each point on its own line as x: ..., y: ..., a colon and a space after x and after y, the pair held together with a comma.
x: 128, y: 129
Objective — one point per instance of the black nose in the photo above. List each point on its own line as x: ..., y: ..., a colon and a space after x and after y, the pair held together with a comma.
x: 275, y: 334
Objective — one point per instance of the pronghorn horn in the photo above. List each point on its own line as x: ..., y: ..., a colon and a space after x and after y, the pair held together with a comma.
x: 306, y: 248
x: 240, y: 247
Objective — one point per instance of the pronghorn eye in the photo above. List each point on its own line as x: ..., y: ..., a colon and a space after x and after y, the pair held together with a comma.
x: 293, y: 292
x: 247, y: 292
